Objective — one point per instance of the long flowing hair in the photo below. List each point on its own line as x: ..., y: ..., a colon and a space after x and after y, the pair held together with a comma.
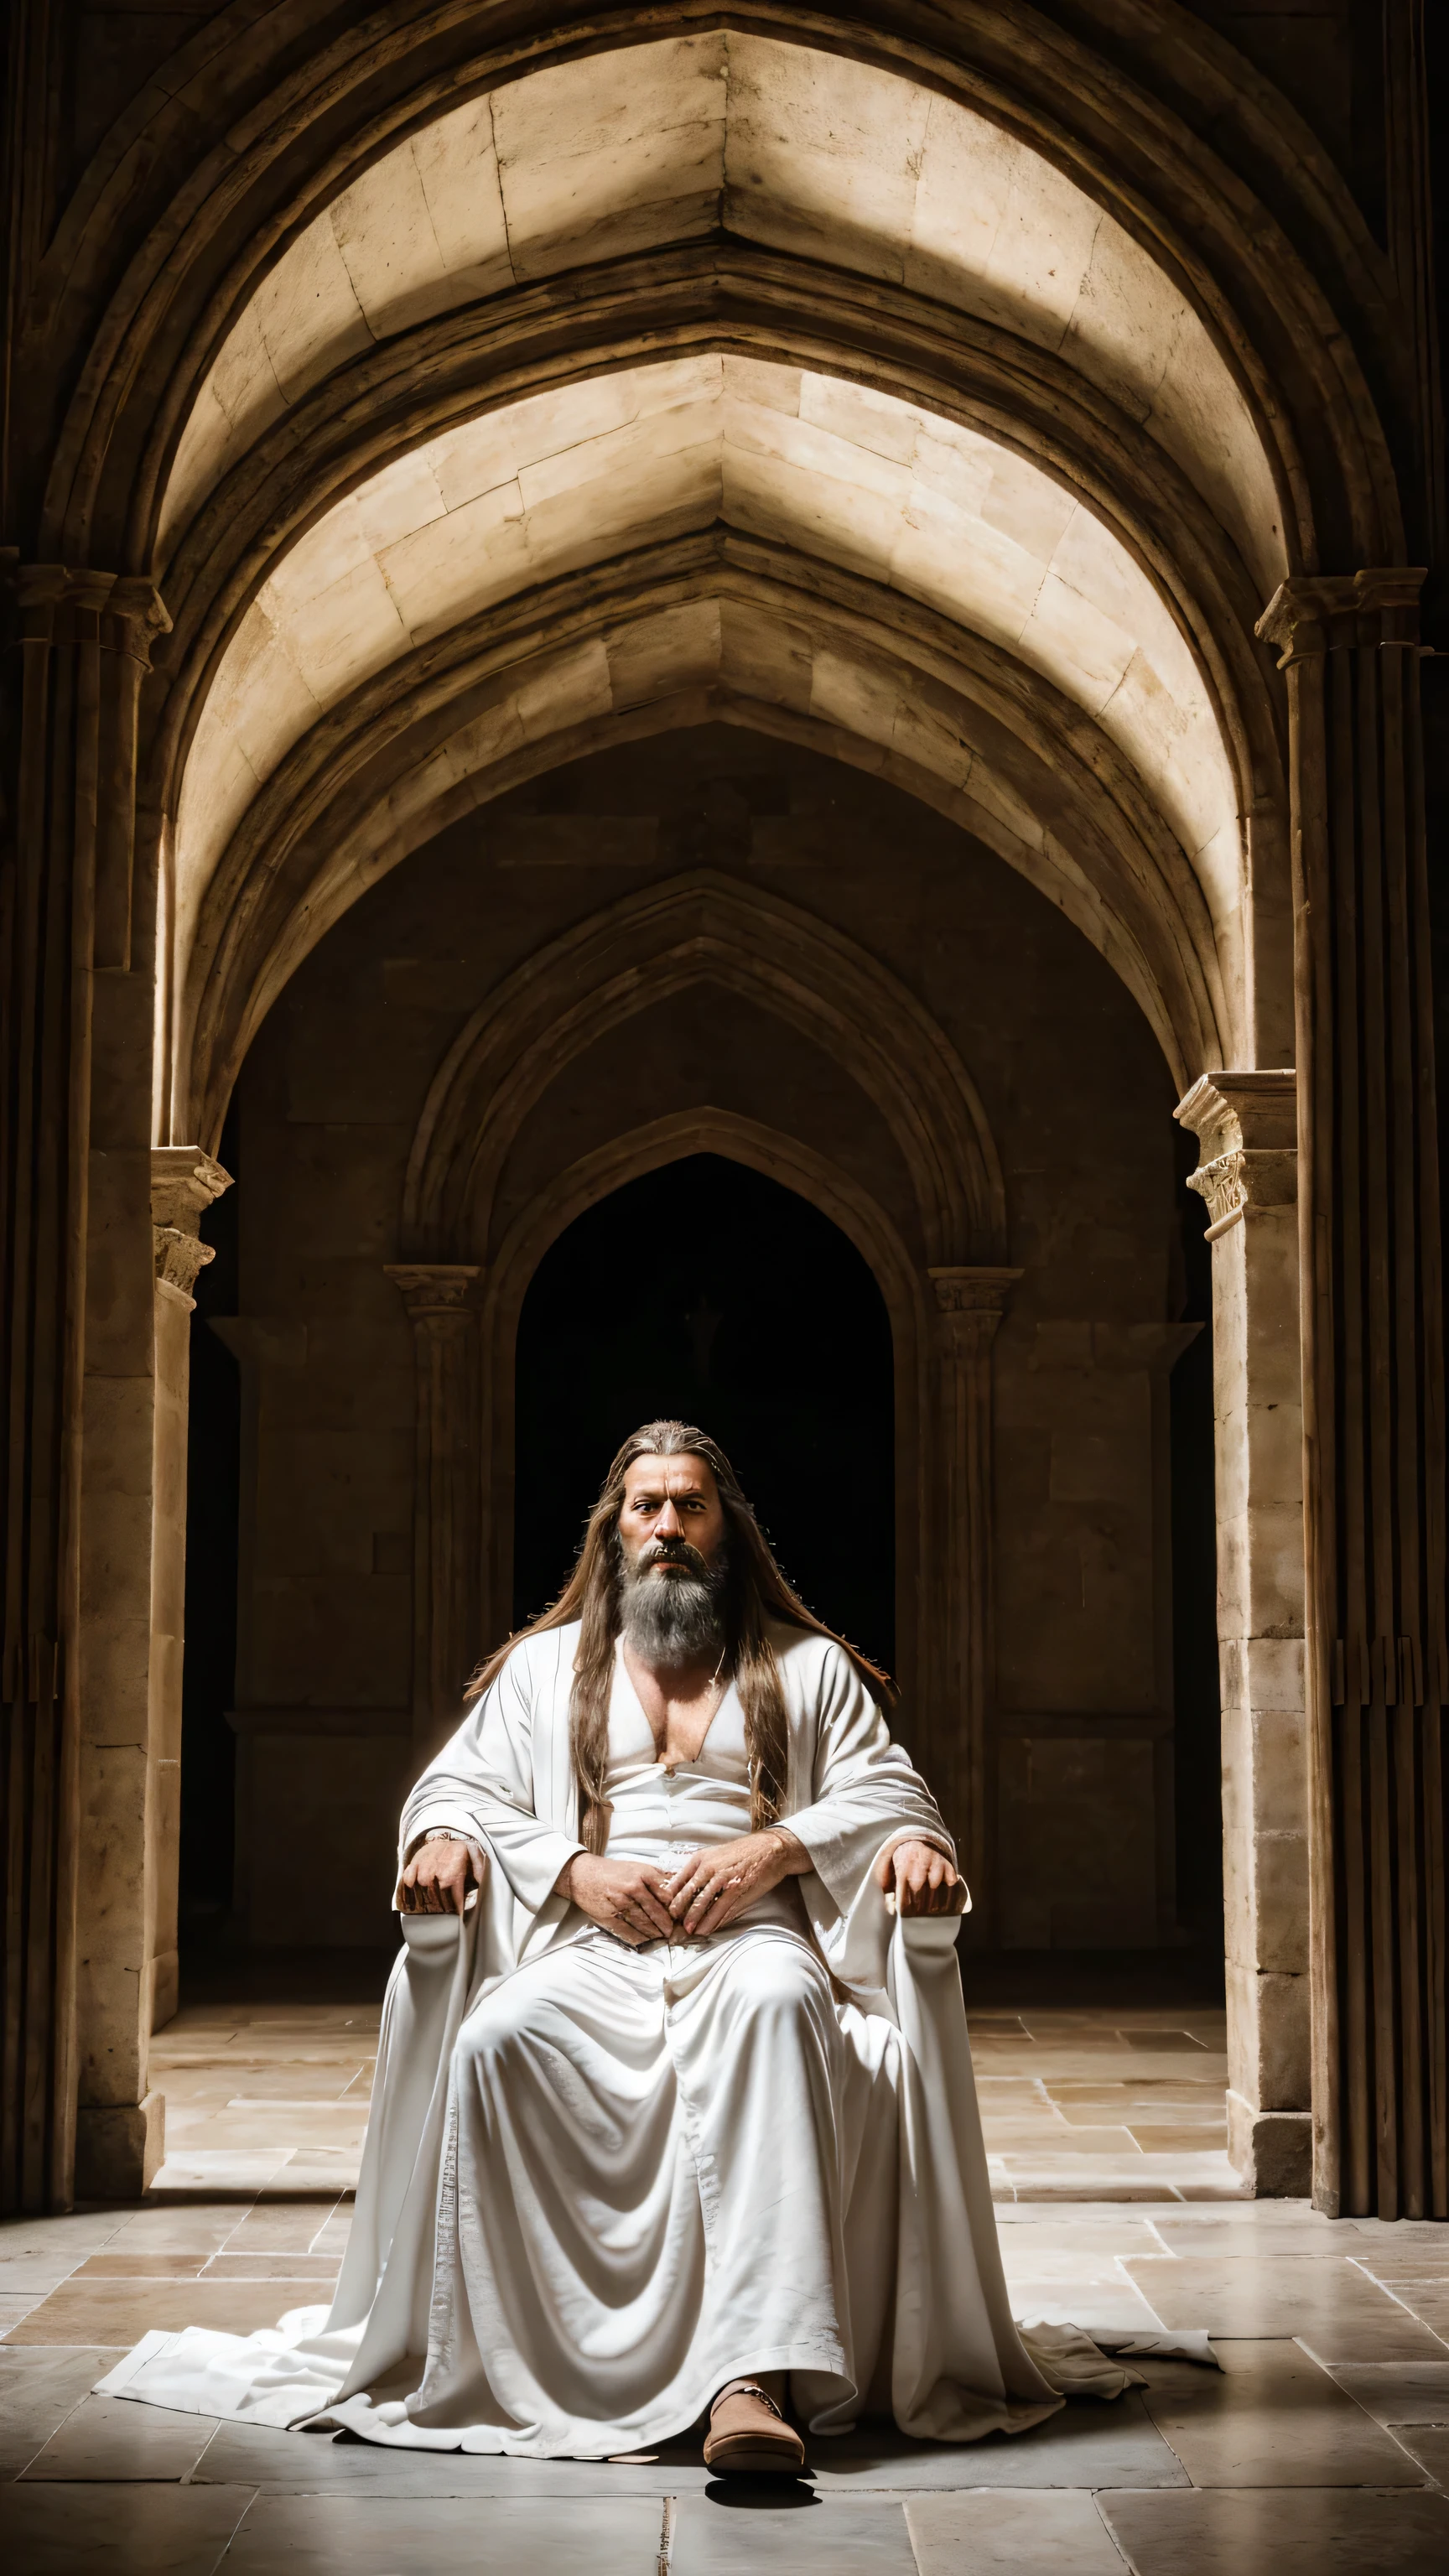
x: 755, y: 1592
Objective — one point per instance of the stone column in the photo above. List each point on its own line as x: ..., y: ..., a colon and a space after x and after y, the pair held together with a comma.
x: 969, y: 1306
x: 184, y: 1183
x: 1246, y: 1124
x: 440, y: 1301
x: 1373, y: 1393
x: 75, y: 1027
x: 133, y: 1571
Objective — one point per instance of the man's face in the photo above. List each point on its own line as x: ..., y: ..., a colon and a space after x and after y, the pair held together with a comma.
x: 672, y: 1523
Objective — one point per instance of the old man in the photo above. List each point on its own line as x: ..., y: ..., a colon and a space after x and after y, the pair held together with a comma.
x: 674, y: 2123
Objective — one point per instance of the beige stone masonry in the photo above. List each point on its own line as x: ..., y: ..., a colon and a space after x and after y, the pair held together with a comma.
x: 882, y: 487
x: 777, y: 144
x: 442, y: 1306
x: 130, y: 1770
x: 1246, y: 1125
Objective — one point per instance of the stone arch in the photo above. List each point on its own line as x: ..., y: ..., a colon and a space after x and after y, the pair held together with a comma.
x: 943, y: 1311
x: 266, y: 141
x: 766, y: 636
x: 811, y: 1175
x: 693, y: 929
x: 757, y: 134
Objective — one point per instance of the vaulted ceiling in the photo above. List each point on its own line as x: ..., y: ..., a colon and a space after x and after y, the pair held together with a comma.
x: 722, y: 289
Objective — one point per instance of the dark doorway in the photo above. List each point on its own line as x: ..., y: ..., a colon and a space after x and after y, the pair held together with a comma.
x: 707, y: 1292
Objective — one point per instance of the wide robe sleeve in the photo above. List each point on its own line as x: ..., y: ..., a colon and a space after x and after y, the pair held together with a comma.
x: 493, y: 1780
x: 853, y: 1793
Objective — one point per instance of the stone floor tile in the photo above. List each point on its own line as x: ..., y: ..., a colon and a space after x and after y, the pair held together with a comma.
x: 219, y: 2169
x: 1046, y: 2184
x: 1043, y: 2265
x: 331, y: 2237
x: 1037, y: 2236
x: 1219, y: 2234
x: 16, y: 2306
x: 133, y: 2530
x: 1293, y: 2531
x: 1399, y: 2392
x: 1426, y: 2300
x: 1226, y: 2185
x: 38, y: 2389
x: 112, y: 2437
x: 1048, y: 2136
x: 308, y: 2179
x: 286, y: 2226
x: 228, y: 2266
x: 1269, y: 2418
x: 1337, y: 2311
x: 1403, y: 2263
x: 36, y: 2255
x: 1392, y: 2235
x: 740, y: 2529
x: 82, y: 2229
x: 153, y: 2265
x: 1165, y: 2140
x: 1428, y: 2445
x: 314, y: 2464
x: 1114, y: 2311
x: 314, y: 2535
x: 120, y: 2312
x: 1089, y: 2443
x: 168, y: 2229
x: 1058, y: 2534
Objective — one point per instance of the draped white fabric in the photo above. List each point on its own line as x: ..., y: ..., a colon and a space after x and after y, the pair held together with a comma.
x: 598, y: 2182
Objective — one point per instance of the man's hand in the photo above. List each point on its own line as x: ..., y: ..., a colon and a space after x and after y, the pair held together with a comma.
x: 712, y: 1887
x: 923, y: 1878
x: 437, y: 1879
x: 626, y: 1896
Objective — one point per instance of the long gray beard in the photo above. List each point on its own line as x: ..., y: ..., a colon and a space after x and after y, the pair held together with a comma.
x: 675, y: 1620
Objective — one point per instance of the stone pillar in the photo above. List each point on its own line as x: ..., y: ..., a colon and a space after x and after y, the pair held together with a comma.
x: 74, y: 1286
x: 1373, y: 1393
x: 1246, y: 1124
x: 969, y: 1306
x: 133, y: 1571
x: 184, y: 1183
x: 440, y: 1301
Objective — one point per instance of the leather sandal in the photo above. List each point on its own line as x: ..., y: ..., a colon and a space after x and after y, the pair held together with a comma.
x: 746, y: 2447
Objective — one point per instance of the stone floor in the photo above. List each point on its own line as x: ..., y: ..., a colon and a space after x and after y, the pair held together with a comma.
x: 1321, y: 2447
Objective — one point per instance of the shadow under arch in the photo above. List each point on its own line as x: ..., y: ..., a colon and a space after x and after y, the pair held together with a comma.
x: 894, y: 686
x: 945, y: 1291
x: 812, y: 1176
x: 701, y: 927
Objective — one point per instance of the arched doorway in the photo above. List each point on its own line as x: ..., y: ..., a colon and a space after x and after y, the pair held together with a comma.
x: 710, y: 1292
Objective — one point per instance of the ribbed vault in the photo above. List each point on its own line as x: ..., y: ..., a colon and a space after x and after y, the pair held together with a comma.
x: 578, y: 304
x: 702, y: 928
x: 777, y: 143
x: 712, y: 625
x: 863, y: 479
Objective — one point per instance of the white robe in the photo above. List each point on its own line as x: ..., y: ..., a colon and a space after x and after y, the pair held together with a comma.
x: 599, y: 2181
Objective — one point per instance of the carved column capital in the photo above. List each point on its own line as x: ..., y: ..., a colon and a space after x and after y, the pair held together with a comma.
x: 140, y: 615
x: 184, y: 1181
x: 1247, y: 1125
x: 435, y: 1288
x: 971, y: 1302
x: 1304, y: 609
x: 131, y: 605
